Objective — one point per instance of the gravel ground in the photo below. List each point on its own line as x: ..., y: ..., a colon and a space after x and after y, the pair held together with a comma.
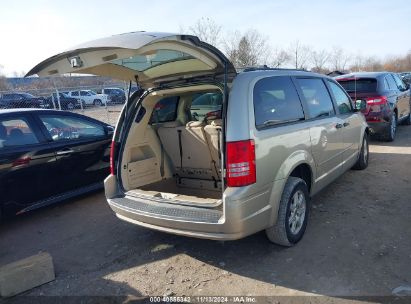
x: 107, y: 114
x: 357, y: 244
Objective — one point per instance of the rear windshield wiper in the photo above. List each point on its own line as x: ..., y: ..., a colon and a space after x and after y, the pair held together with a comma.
x: 272, y: 122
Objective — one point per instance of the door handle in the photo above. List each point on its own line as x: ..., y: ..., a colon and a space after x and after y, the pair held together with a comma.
x: 64, y: 152
x: 346, y: 124
x: 338, y: 126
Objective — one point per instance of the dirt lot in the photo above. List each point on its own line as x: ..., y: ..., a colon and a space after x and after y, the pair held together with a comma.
x: 107, y: 114
x: 357, y: 244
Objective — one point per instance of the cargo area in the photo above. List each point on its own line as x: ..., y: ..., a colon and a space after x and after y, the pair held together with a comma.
x: 173, y: 150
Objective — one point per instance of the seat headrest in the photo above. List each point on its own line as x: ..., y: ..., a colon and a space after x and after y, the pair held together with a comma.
x: 193, y: 124
x: 16, y: 133
x: 217, y: 122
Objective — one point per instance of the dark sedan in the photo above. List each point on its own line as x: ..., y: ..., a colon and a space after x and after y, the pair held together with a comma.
x: 47, y: 156
x: 63, y: 102
x: 20, y: 100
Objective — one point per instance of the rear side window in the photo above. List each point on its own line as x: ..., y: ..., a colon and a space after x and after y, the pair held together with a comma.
x: 207, y: 99
x: 399, y: 82
x: 71, y: 128
x: 317, y: 97
x: 359, y: 85
x: 343, y: 101
x: 16, y: 132
x: 165, y: 110
x: 391, y: 83
x: 276, y: 101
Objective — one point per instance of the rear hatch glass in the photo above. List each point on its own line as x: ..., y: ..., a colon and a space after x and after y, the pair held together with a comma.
x: 359, y: 85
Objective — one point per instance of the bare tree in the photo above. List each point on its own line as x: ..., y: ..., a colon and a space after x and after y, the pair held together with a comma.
x: 372, y: 64
x: 278, y: 57
x: 357, y: 63
x: 207, y: 30
x: 3, y: 80
x: 339, y: 59
x: 299, y: 55
x: 248, y: 49
x: 319, y: 60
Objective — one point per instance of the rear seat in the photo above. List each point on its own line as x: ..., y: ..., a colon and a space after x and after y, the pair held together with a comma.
x: 213, y: 132
x: 196, y: 161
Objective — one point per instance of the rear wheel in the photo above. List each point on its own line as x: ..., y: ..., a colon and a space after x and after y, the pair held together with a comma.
x: 362, y: 162
x: 392, y: 128
x: 407, y: 120
x: 292, y: 214
x: 97, y: 102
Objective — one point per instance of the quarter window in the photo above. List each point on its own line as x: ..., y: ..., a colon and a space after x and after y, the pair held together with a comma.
x: 71, y: 128
x: 343, y: 101
x: 317, y: 97
x: 16, y: 132
x: 391, y: 83
x: 165, y: 110
x: 276, y: 101
x: 399, y: 82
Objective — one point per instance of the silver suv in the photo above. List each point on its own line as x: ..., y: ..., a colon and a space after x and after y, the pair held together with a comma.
x: 251, y: 164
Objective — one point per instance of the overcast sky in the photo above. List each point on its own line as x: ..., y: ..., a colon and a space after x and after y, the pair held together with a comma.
x: 30, y: 31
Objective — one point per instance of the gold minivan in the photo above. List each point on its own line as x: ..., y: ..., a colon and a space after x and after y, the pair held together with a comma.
x: 273, y: 138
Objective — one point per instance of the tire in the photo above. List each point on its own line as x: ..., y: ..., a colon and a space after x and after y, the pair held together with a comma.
x: 407, y: 120
x: 363, y: 157
x: 97, y: 102
x: 70, y: 106
x: 392, y: 128
x: 281, y: 232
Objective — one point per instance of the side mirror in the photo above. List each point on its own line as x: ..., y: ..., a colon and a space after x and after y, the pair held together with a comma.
x: 109, y: 130
x: 360, y: 105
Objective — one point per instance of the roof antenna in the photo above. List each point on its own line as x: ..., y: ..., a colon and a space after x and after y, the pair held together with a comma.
x: 355, y: 90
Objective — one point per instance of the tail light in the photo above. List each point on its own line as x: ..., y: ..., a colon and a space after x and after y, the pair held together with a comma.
x: 241, y: 169
x: 21, y: 161
x: 112, y: 158
x: 216, y: 114
x: 377, y: 100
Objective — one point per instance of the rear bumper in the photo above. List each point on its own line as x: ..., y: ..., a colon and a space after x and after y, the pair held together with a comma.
x: 238, y: 219
x: 378, y: 127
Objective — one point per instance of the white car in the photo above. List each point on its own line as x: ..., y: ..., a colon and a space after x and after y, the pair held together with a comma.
x: 89, y: 97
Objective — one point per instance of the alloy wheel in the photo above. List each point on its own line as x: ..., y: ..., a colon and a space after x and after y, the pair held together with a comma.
x: 297, y: 212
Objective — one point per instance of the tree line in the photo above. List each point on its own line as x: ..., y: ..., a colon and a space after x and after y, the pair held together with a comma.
x: 251, y: 48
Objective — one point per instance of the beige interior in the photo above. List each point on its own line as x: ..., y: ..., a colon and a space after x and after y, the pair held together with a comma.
x: 192, y: 178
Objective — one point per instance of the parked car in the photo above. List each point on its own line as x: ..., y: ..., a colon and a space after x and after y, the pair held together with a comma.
x: 66, y: 102
x: 20, y: 100
x: 387, y: 98
x: 116, y: 95
x: 282, y: 137
x: 406, y: 77
x: 206, y: 105
x: 47, y: 156
x: 89, y: 97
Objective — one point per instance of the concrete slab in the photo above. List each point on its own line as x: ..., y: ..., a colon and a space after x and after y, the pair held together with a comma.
x: 26, y: 274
